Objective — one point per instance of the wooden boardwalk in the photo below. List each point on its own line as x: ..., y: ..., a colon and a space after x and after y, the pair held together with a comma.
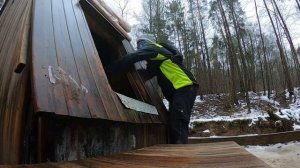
x: 220, y: 154
x: 261, y: 139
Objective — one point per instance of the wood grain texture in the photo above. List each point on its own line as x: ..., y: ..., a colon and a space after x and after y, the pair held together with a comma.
x: 222, y: 154
x: 13, y: 87
x: 49, y: 97
x: 68, y: 75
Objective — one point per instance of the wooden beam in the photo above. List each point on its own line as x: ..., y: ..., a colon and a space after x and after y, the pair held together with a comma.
x: 19, y: 67
x: 263, y: 139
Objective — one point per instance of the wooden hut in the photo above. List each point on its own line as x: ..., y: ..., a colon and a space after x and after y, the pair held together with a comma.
x: 56, y: 102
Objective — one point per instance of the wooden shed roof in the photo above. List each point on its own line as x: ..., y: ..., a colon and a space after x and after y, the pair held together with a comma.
x: 68, y: 76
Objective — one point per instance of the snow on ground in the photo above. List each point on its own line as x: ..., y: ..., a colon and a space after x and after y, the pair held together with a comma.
x: 243, y: 114
x: 278, y: 155
x: 292, y: 112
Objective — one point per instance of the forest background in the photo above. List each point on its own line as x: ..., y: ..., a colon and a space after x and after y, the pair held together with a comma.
x: 232, y: 46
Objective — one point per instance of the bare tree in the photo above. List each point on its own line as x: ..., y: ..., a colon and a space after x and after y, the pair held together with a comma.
x: 282, y: 55
x: 287, y: 33
x: 264, y: 53
x: 205, y: 47
x: 242, y: 51
x: 123, y: 7
x: 298, y: 3
x: 232, y: 53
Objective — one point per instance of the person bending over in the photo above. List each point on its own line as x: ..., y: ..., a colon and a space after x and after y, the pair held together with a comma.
x: 177, y: 83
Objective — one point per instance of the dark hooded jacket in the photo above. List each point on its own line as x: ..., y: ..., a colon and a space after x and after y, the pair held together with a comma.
x: 170, y: 76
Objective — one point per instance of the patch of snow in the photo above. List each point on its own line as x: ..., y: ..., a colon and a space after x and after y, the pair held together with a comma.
x: 215, y: 136
x: 282, y: 115
x: 206, y: 131
x: 229, y: 119
x: 254, y: 115
x: 253, y: 122
x: 287, y: 94
x: 278, y: 155
x: 293, y: 112
x: 296, y: 127
x: 198, y: 100
x: 265, y: 98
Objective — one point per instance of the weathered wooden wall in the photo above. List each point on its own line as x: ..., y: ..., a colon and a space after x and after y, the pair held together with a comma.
x: 65, y: 138
x: 68, y: 75
x: 14, y: 88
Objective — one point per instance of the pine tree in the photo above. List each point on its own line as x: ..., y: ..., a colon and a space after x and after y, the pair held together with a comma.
x: 153, y: 19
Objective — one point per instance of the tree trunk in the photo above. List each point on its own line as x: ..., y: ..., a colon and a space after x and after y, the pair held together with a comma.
x: 253, y: 66
x: 244, y: 66
x: 267, y: 69
x: 196, y: 45
x: 298, y: 3
x: 287, y: 33
x: 231, y: 54
x: 150, y: 17
x: 205, y: 75
x: 282, y: 56
x: 206, y: 48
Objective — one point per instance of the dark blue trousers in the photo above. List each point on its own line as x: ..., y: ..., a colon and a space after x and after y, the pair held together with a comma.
x: 180, y: 110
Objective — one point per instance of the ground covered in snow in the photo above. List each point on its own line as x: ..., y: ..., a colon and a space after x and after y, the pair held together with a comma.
x: 215, y: 116
x: 278, y: 155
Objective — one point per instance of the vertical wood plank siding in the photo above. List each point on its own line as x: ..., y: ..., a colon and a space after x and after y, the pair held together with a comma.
x: 63, y: 76
x: 14, y: 92
x: 61, y: 41
x: 68, y: 76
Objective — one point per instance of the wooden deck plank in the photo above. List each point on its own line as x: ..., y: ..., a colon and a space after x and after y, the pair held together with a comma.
x: 208, y: 155
x: 261, y: 139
